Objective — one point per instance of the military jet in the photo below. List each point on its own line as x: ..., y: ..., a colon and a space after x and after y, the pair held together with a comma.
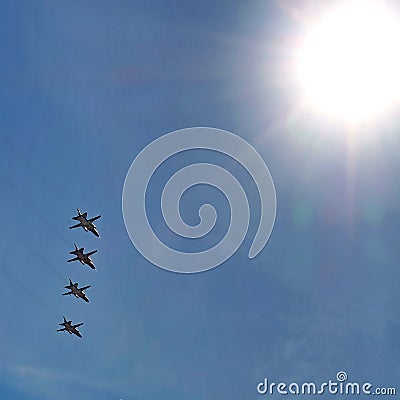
x: 76, y: 291
x: 71, y: 329
x: 86, y: 224
x: 82, y: 257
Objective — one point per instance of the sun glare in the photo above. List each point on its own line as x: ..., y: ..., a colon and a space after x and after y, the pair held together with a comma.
x: 349, y: 63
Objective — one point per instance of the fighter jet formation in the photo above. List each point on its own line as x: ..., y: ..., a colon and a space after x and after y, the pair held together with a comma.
x: 84, y: 259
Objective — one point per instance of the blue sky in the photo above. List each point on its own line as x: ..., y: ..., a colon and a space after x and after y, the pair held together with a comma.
x: 84, y: 87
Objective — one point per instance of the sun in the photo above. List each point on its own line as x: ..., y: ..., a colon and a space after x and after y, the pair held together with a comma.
x: 349, y: 62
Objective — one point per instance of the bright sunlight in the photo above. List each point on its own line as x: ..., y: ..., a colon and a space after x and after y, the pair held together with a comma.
x: 349, y: 63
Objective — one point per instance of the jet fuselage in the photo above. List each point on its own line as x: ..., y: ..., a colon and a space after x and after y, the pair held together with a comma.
x: 87, y: 225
